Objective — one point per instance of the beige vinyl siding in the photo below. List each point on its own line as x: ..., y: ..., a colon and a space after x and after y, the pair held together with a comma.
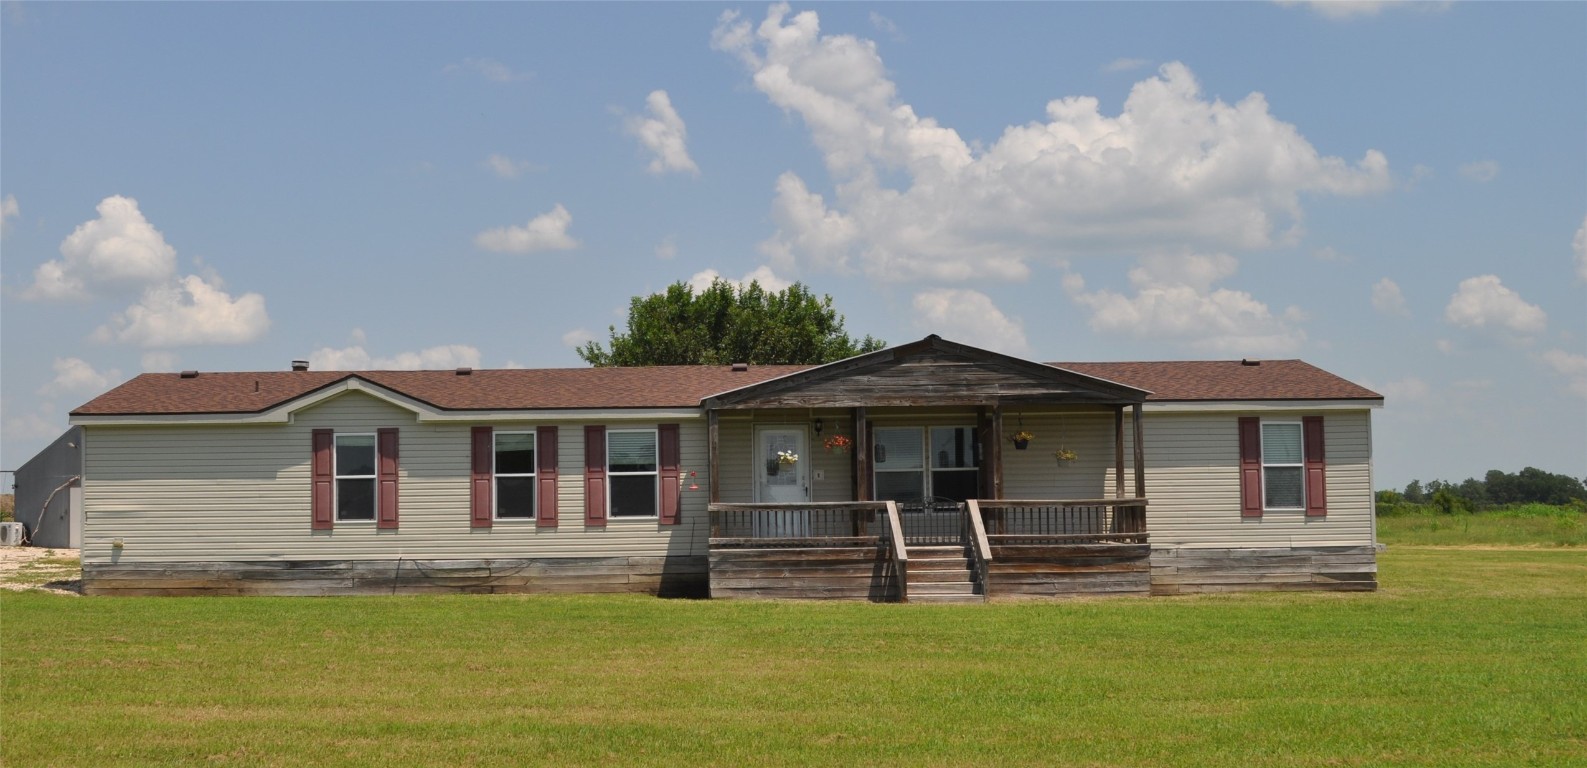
x: 1193, y: 477
x: 186, y: 493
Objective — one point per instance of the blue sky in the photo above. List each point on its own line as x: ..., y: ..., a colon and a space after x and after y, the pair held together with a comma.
x: 1394, y: 192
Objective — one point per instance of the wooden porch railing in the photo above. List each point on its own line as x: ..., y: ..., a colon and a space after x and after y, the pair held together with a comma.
x: 1087, y: 521
x: 980, y: 545
x: 811, y: 524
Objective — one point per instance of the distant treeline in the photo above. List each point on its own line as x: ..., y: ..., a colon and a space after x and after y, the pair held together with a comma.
x: 1495, y: 489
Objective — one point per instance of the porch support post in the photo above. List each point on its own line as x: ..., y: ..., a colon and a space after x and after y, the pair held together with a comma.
x: 996, y: 444
x: 1140, y: 453
x: 1118, y: 451
x: 713, y: 448
x: 862, y: 456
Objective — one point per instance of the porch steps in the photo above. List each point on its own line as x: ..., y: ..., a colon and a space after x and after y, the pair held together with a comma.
x: 942, y: 575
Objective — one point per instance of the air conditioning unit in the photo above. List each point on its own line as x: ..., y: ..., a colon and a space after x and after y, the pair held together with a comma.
x: 11, y: 534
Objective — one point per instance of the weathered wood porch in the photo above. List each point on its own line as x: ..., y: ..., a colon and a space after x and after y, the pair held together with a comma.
x: 941, y: 552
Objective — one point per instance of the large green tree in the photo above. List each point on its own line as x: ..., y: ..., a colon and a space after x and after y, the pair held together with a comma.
x: 726, y: 324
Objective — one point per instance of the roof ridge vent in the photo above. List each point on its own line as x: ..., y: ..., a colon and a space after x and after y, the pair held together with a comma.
x: 300, y: 365
x: 1251, y: 361
x: 465, y: 371
x: 189, y: 374
x: 740, y: 367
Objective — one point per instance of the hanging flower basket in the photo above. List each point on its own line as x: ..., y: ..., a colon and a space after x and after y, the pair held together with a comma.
x: 838, y: 444
x: 1022, y: 440
x: 1065, y: 455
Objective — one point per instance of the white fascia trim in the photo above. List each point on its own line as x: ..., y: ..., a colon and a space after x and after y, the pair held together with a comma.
x: 1265, y: 405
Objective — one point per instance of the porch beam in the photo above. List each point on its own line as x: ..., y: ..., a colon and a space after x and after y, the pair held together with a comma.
x: 862, y: 455
x: 713, y: 445
x: 1140, y: 453
x: 1118, y: 452
x: 997, y: 451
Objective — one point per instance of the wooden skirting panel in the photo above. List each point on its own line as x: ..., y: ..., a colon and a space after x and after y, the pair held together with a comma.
x: 664, y: 576
x: 805, y: 573
x: 1068, y: 570
x: 1186, y: 571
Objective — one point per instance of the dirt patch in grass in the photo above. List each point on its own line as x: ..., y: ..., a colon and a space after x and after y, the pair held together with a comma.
x: 41, y: 568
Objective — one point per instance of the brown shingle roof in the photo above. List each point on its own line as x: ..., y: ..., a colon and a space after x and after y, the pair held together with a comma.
x: 663, y: 386
x: 512, y: 389
x: 1227, y: 380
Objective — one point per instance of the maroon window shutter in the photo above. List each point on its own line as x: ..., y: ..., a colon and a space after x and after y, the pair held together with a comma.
x: 1250, y: 467
x: 1316, y: 467
x: 595, y: 475
x: 671, y: 490
x: 546, y: 476
x: 386, y: 464
x: 480, y: 478
x: 322, y: 497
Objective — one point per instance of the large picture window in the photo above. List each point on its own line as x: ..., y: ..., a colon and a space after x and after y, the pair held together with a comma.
x: 908, y: 469
x: 1283, y: 466
x: 355, y: 477
x: 515, y: 475
x: 631, y: 470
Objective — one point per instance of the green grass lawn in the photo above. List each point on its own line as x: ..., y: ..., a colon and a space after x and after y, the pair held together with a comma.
x: 1526, y: 525
x: 1465, y: 657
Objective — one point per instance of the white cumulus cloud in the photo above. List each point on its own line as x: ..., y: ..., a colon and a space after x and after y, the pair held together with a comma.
x: 490, y: 69
x: 1126, y: 65
x: 762, y: 274
x: 506, y: 167
x: 74, y: 375
x: 1387, y: 298
x: 190, y: 311
x: 1480, y: 171
x: 1175, y: 168
x: 546, y: 232
x: 158, y: 361
x: 1483, y: 302
x: 8, y: 210
x: 1572, y: 366
x: 576, y: 338
x: 118, y: 252
x: 1175, y: 301
x: 971, y: 317
x: 356, y: 358
x: 664, y: 134
x: 1579, y: 245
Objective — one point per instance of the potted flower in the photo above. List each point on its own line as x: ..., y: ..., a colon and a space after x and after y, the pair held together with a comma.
x: 1022, y: 440
x: 1065, y: 455
x: 839, y: 443
x: 787, y: 457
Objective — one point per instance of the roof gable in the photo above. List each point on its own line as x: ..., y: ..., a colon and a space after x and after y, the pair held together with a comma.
x: 932, y: 371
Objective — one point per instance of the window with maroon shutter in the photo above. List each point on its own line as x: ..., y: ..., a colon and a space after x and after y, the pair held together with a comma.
x: 482, y: 454
x: 386, y: 493
x: 322, y: 496
x: 546, y: 477
x: 1250, y: 466
x: 595, y: 475
x: 1316, y: 468
x: 671, y: 489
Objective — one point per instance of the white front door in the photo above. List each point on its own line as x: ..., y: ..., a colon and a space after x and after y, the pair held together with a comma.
x: 778, y: 481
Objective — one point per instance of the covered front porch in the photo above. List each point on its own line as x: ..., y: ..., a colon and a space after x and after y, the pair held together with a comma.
x: 931, y: 472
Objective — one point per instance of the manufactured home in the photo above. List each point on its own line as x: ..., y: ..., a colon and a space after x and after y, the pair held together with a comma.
x: 927, y: 472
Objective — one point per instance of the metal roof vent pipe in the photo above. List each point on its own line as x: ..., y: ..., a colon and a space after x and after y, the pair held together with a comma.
x: 740, y: 367
x: 300, y: 365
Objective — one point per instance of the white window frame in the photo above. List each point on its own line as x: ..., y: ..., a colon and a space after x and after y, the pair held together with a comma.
x: 927, y: 490
x: 1261, y: 439
x: 495, y: 491
x: 611, y: 487
x: 337, y: 477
